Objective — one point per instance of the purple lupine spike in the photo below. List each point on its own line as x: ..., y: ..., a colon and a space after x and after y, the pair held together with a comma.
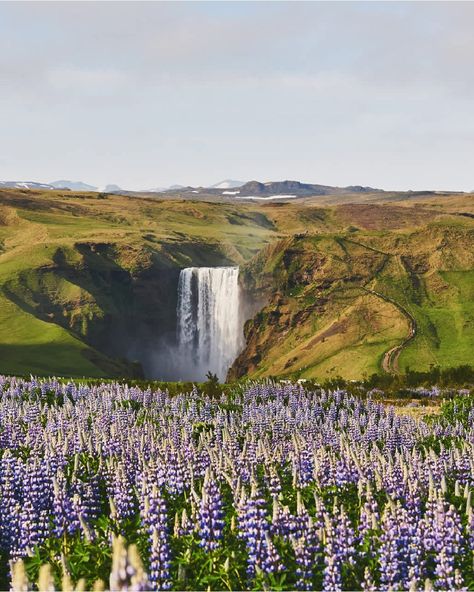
x: 210, y: 514
x: 305, y: 545
x: 10, y: 481
x: 122, y: 494
x: 155, y: 520
x: 369, y: 515
x: 448, y: 544
x: 254, y: 528
x: 36, y: 506
x: 274, y: 483
x: 332, y: 577
x: 346, y: 538
x: 65, y: 516
x: 395, y: 546
x: 332, y: 571
x: 88, y: 493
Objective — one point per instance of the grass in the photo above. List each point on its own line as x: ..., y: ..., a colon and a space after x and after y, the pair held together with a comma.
x: 448, y: 336
x: 30, y: 345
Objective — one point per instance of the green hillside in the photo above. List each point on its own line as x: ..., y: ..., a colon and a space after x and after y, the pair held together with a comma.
x: 88, y: 281
x: 356, y: 303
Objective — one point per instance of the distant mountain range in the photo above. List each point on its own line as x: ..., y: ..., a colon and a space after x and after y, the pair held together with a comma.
x: 25, y: 185
x: 228, y: 189
x: 80, y: 186
x: 73, y: 185
x: 270, y: 190
x: 296, y: 189
x: 226, y: 184
x: 62, y: 184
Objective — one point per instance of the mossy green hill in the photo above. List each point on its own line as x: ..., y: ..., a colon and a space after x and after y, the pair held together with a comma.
x: 88, y: 281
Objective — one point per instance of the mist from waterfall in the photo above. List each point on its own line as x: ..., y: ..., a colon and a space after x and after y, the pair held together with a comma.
x: 209, y: 324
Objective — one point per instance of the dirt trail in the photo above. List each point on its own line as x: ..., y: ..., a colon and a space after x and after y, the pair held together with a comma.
x: 390, y: 358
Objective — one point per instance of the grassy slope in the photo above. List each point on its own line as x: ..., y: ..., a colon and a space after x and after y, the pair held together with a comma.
x: 324, y: 322
x: 348, y: 335
x: 29, y: 344
x: 447, y: 337
x: 327, y: 324
x: 432, y: 278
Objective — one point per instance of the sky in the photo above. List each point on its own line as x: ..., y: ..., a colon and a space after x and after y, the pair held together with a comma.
x: 151, y: 94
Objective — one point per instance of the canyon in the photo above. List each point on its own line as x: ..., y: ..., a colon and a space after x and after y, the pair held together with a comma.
x: 90, y: 284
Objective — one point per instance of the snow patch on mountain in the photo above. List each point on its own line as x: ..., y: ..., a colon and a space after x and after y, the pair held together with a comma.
x: 267, y: 197
x: 227, y: 184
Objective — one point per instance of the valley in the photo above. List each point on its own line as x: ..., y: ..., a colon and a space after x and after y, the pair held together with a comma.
x: 346, y: 284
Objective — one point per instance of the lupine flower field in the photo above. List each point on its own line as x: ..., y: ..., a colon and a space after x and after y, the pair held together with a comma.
x: 269, y: 487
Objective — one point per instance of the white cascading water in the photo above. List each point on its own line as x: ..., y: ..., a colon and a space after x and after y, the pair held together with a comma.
x: 210, y: 334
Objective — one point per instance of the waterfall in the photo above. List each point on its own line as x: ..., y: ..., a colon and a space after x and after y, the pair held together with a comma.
x: 209, y: 323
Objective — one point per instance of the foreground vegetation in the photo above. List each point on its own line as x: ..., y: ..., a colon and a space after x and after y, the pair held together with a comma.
x: 267, y: 486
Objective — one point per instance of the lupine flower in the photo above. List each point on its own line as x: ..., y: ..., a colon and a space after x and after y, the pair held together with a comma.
x: 305, y: 548
x: 10, y: 479
x: 65, y: 516
x: 121, y: 494
x: 332, y: 557
x: 155, y: 519
x: 210, y: 514
x: 140, y: 452
x: 255, y: 530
